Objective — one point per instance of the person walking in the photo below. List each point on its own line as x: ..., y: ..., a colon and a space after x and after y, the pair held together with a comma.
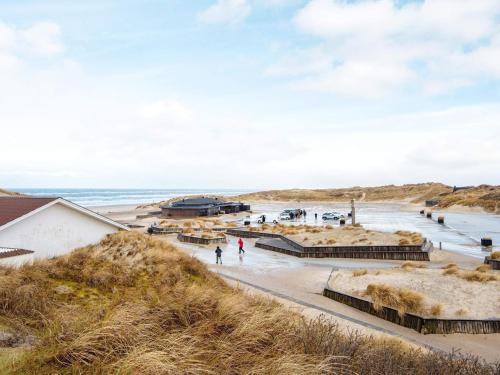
x: 240, y: 244
x: 218, y: 255
x: 316, y: 216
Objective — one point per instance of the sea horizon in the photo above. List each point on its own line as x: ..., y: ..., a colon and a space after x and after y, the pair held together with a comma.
x: 96, y: 197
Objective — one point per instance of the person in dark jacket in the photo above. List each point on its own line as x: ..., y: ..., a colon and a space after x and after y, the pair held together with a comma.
x: 218, y: 255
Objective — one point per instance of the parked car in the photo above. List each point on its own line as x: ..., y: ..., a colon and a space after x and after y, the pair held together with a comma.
x: 285, y: 216
x: 332, y: 216
x: 294, y: 213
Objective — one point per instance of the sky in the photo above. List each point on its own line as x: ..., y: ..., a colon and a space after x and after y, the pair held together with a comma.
x: 253, y: 94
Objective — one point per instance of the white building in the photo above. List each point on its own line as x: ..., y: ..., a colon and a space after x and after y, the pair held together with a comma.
x: 48, y: 227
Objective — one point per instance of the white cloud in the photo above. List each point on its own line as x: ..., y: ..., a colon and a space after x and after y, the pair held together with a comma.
x: 226, y: 11
x: 170, y: 110
x: 62, y: 125
x: 42, y: 39
x: 369, y: 48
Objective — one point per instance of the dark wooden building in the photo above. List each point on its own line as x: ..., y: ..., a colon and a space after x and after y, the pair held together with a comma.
x: 193, y: 207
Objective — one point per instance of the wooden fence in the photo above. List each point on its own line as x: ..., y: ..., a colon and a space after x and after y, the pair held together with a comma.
x: 389, y: 252
x: 494, y: 263
x: 200, y: 240
x: 418, y: 323
x: 165, y: 230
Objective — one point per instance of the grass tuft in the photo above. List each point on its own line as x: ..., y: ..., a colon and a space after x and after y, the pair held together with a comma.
x: 476, y: 276
x: 408, y: 266
x: 357, y: 273
x: 436, y: 309
x: 403, y: 300
x: 461, y: 312
x: 484, y: 268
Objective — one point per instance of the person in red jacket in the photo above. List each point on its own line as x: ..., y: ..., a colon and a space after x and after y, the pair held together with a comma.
x: 240, y: 244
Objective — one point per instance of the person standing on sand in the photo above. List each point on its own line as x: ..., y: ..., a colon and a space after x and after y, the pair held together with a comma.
x: 240, y: 244
x: 218, y: 255
x: 316, y: 216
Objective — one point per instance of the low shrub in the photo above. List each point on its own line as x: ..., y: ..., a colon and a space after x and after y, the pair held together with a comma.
x: 450, y: 265
x: 403, y: 300
x: 478, y: 276
x: 436, y: 309
x: 408, y: 266
x: 484, y: 268
x: 450, y: 271
x: 357, y: 273
x: 461, y: 312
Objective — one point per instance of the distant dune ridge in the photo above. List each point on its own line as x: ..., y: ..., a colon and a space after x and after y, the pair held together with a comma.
x: 4, y: 193
x: 483, y: 196
x: 370, y: 194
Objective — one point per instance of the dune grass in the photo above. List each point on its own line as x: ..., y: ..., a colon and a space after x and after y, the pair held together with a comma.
x: 484, y: 268
x: 403, y: 300
x: 484, y: 196
x: 451, y: 269
x: 482, y: 273
x: 436, y: 309
x: 408, y: 266
x: 477, y: 276
x: 134, y: 304
x: 361, y: 272
x: 409, y: 238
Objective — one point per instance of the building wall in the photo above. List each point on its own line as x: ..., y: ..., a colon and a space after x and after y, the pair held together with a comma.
x: 172, y: 212
x: 17, y: 260
x: 188, y: 212
x: 55, y: 231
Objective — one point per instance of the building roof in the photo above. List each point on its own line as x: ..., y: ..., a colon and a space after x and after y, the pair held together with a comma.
x: 16, y: 208
x: 7, y: 252
x: 13, y: 207
x: 197, y: 202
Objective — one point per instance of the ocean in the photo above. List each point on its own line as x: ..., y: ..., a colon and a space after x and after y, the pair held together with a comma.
x: 111, y: 197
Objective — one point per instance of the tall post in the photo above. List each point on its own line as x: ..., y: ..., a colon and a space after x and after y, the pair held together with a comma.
x: 353, y: 212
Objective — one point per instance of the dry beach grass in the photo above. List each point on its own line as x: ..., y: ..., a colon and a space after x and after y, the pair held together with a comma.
x: 134, y: 304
